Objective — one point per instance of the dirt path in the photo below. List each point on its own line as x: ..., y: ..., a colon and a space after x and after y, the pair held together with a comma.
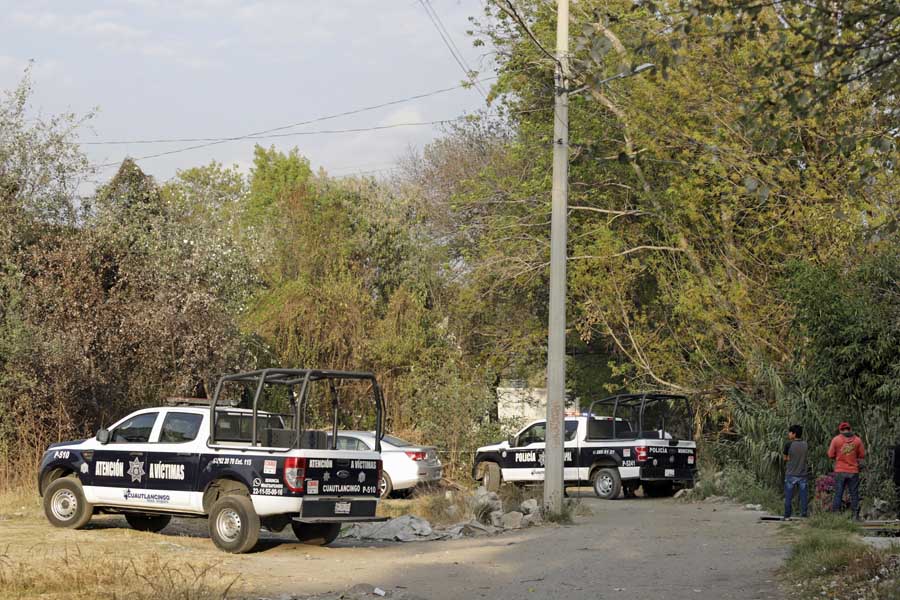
x: 640, y: 548
x: 643, y: 548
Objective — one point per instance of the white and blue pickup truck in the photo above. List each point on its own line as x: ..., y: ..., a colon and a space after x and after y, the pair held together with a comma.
x: 241, y: 467
x: 628, y: 444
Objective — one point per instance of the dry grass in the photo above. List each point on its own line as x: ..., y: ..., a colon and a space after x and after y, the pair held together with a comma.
x: 438, y: 507
x: 73, y: 576
x: 20, y: 503
x: 35, y: 563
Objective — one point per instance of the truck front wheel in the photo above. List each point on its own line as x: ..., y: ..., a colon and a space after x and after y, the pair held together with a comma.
x: 234, y: 524
x: 64, y: 504
x: 492, y: 477
x: 607, y: 483
x: 316, y: 534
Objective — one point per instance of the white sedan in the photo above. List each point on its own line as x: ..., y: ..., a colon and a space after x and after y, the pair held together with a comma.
x: 405, y: 465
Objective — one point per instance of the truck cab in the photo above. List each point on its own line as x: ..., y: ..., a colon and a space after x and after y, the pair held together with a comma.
x: 620, y: 444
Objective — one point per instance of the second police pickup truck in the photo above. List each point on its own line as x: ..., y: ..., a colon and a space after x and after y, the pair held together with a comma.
x: 240, y: 467
x: 633, y: 441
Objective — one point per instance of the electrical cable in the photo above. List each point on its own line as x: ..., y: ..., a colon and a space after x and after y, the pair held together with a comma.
x: 347, y: 113
x: 283, y: 135
x: 448, y: 42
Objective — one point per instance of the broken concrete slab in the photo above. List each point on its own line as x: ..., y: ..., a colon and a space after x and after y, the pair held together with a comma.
x: 532, y: 519
x: 512, y: 520
x: 529, y: 506
x: 496, y: 518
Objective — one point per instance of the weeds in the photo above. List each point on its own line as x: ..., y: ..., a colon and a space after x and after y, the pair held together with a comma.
x: 439, y: 507
x: 77, y: 577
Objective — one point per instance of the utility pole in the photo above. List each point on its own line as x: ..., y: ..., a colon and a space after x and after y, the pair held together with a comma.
x: 556, y: 343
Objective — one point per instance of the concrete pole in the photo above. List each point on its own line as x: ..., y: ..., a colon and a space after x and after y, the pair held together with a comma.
x: 556, y: 346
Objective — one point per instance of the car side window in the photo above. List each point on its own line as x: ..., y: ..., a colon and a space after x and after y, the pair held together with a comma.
x: 571, y: 430
x: 135, y: 430
x: 349, y: 443
x: 180, y: 427
x: 535, y: 433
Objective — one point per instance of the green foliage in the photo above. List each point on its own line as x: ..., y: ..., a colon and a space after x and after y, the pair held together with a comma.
x: 274, y: 176
x: 824, y: 551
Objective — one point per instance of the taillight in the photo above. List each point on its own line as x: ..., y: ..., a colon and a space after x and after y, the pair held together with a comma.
x: 294, y: 473
x: 378, y: 476
x: 416, y: 455
x: 640, y: 453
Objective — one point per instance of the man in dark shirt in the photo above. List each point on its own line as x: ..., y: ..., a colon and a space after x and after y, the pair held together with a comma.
x: 795, y: 452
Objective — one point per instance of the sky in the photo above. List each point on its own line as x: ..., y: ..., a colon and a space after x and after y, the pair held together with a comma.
x: 162, y: 69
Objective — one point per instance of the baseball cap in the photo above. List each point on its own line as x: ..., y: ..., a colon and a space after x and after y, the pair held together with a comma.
x: 844, y: 425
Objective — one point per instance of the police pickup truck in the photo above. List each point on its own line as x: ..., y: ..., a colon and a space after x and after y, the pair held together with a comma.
x: 632, y: 443
x: 243, y: 468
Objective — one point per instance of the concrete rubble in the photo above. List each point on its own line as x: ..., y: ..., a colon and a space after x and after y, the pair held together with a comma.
x: 487, y: 505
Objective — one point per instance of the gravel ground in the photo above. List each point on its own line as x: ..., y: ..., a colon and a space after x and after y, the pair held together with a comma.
x: 638, y: 548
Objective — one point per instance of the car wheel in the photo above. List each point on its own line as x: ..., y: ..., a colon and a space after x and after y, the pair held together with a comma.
x: 147, y: 522
x: 492, y: 477
x: 316, y: 534
x: 385, y: 485
x: 64, y: 504
x: 606, y: 483
x: 234, y: 524
x: 658, y: 489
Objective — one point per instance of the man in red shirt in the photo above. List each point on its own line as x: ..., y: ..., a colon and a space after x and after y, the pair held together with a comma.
x: 847, y: 450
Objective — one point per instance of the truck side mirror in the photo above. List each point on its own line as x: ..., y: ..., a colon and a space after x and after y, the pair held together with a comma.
x: 103, y: 436
x: 513, y: 441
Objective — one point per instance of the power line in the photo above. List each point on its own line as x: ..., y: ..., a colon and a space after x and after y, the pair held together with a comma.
x: 448, y: 42
x: 283, y: 135
x: 347, y: 113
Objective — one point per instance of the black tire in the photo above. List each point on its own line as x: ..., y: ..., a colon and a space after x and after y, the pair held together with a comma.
x: 493, y: 479
x: 64, y: 504
x: 385, y: 485
x: 606, y: 483
x: 147, y: 522
x: 658, y: 489
x: 234, y: 524
x: 316, y: 534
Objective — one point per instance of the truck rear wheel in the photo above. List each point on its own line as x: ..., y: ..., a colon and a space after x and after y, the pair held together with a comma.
x: 316, y: 534
x: 492, y: 477
x: 607, y: 483
x: 234, y: 524
x: 147, y: 522
x: 64, y: 504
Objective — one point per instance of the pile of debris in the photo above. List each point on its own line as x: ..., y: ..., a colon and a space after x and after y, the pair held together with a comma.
x: 490, y: 519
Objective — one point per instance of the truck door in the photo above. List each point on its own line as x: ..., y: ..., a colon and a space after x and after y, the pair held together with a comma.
x: 173, y: 463
x: 117, y: 473
x: 570, y: 450
x: 524, y: 461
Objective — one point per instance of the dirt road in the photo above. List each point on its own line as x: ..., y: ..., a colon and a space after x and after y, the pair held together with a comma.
x: 638, y: 549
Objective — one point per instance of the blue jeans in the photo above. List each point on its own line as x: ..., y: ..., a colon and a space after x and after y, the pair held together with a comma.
x: 789, y: 482
x: 850, y: 480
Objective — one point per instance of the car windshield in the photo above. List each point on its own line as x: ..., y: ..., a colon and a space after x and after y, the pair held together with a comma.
x: 395, y: 441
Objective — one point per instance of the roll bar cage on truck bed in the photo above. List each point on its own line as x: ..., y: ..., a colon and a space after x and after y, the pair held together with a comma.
x: 293, y: 438
x: 635, y: 406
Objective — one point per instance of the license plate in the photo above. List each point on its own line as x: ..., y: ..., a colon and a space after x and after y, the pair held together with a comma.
x: 670, y: 472
x: 342, y: 508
